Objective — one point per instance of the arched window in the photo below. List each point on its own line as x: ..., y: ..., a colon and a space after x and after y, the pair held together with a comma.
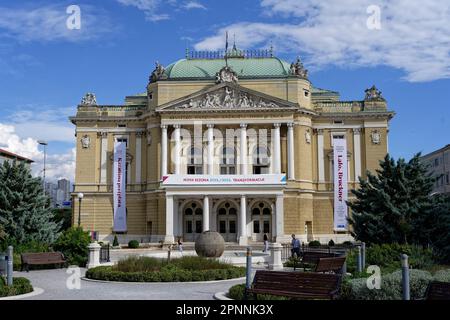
x: 228, y: 161
x: 195, y: 161
x: 261, y: 161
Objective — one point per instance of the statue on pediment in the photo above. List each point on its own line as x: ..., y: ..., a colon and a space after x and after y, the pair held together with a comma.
x: 226, y: 74
x: 373, y: 94
x: 89, y: 100
x: 228, y: 100
x: 297, y: 69
x: 244, y: 101
x: 157, y: 73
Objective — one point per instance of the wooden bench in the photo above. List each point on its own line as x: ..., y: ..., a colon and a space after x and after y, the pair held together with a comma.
x: 299, y: 285
x: 334, y: 264
x: 42, y: 258
x: 312, y: 258
x: 437, y: 290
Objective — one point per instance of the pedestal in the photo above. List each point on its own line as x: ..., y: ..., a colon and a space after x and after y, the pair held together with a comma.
x: 94, y: 255
x: 275, y: 256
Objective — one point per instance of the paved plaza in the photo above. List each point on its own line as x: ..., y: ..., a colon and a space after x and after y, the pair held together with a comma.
x: 55, y: 288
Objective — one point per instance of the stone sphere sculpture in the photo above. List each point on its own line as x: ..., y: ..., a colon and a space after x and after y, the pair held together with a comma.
x: 210, y: 244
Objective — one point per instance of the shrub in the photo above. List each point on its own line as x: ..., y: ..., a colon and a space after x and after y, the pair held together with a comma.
x: 133, y: 244
x: 387, y: 257
x: 20, y: 286
x: 442, y: 275
x: 347, y: 244
x: 314, y: 243
x: 73, y: 243
x: 390, y: 289
x: 148, y: 269
x: 115, y: 241
x: 331, y: 243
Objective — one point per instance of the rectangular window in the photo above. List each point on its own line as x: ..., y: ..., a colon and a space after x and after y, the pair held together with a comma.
x: 194, y: 170
x: 447, y: 178
x: 266, y: 227
x: 198, y: 226
x: 436, y: 162
x: 222, y: 227
x: 227, y: 170
x: 256, y: 226
x: 188, y: 226
x: 232, y: 226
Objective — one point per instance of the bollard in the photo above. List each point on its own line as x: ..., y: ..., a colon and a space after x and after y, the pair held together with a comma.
x: 363, y: 254
x: 248, y: 273
x: 169, y: 252
x: 359, y: 260
x: 9, y: 267
x: 405, y: 276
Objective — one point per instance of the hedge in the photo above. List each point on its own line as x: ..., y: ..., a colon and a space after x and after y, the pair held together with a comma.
x: 172, y: 274
x: 20, y: 286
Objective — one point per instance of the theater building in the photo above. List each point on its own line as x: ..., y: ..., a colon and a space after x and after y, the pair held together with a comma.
x: 240, y: 143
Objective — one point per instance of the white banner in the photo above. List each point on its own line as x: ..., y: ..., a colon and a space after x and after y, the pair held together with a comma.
x: 340, y: 184
x: 119, y: 187
x: 260, y: 179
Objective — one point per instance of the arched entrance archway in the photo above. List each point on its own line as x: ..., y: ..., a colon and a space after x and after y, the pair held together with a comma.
x: 192, y: 220
x: 227, y: 220
x: 261, y: 215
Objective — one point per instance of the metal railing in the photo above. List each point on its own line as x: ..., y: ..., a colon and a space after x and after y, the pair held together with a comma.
x: 335, y: 250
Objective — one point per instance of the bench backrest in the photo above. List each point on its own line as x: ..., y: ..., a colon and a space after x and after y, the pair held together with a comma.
x: 313, y: 257
x: 334, y: 264
x: 438, y: 291
x: 305, y: 282
x: 42, y: 257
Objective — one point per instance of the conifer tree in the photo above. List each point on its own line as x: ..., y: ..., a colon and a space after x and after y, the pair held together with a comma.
x: 389, y: 203
x: 24, y: 211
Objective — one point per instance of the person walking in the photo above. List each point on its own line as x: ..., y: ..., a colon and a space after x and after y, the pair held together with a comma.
x: 266, y: 243
x: 295, y: 243
x: 180, y: 246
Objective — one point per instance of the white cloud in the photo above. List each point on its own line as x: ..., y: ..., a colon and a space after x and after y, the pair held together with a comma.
x: 57, y: 165
x: 414, y: 35
x: 193, y: 5
x: 48, y: 23
x: 149, y: 7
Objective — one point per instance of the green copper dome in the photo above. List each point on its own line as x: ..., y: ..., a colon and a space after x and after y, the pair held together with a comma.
x: 269, y: 67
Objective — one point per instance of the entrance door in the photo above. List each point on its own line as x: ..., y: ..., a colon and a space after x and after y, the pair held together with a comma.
x: 193, y: 222
x: 261, y: 222
x: 227, y: 222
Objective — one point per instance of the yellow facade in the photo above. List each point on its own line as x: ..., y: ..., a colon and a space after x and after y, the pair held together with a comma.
x: 307, y: 199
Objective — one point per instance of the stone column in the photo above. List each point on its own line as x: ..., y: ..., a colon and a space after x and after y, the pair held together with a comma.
x: 94, y: 255
x: 138, y: 157
x: 169, y: 238
x: 243, y: 157
x: 279, y: 217
x: 177, y: 137
x: 103, y: 157
x: 291, y: 157
x: 320, y: 159
x: 275, y: 256
x: 357, y: 150
x: 163, y: 151
x: 205, y: 213
x: 243, y: 222
x: 276, y: 149
x: 210, y: 134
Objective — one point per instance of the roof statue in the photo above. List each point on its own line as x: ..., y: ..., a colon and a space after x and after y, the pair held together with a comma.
x: 157, y: 73
x: 226, y: 74
x: 89, y: 100
x: 373, y: 94
x: 297, y: 69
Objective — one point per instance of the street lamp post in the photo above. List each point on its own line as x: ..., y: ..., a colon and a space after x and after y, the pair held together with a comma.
x: 44, y: 143
x: 80, y: 197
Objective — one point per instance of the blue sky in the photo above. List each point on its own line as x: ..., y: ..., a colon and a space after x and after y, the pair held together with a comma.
x: 46, y: 68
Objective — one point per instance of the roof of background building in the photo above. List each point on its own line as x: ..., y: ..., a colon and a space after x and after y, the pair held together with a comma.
x: 12, y: 155
x: 443, y: 149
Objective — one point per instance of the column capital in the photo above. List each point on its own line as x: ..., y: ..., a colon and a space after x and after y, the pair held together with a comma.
x: 290, y: 125
x: 177, y: 126
x: 356, y: 130
x: 164, y: 126
x: 277, y: 125
x: 243, y: 125
x: 210, y: 125
x: 140, y: 133
x: 102, y: 134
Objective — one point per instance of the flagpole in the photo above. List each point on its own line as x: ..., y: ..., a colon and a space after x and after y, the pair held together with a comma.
x: 226, y: 50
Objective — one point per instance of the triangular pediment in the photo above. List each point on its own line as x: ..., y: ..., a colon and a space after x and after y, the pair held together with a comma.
x: 227, y: 97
